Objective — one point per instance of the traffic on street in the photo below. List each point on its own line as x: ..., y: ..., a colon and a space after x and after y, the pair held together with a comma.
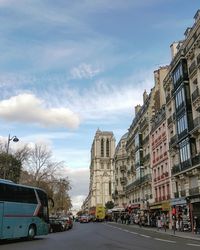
x: 104, y: 236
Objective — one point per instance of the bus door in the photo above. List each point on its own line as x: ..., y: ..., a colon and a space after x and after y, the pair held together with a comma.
x: 1, y: 219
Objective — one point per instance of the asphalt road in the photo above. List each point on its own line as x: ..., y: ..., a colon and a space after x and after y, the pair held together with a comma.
x: 103, y: 236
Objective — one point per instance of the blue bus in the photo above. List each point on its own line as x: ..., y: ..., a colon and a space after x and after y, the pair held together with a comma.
x: 23, y: 211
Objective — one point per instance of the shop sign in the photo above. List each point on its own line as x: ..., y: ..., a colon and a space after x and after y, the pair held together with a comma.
x: 178, y: 201
x: 166, y: 206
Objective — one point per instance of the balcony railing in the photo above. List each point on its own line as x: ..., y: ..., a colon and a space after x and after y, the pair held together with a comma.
x: 196, y: 160
x: 195, y: 94
x: 146, y: 157
x: 173, y: 141
x: 183, y: 134
x: 176, y: 169
x: 176, y: 195
x: 196, y: 123
x: 192, y: 67
x: 194, y: 191
x: 138, y: 182
x: 186, y: 164
x: 183, y: 193
x: 144, y: 123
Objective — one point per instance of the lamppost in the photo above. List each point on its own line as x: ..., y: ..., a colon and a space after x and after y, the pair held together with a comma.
x: 14, y: 139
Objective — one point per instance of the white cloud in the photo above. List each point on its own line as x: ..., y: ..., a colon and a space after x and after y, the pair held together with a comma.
x: 74, y: 157
x: 107, y: 100
x: 79, y: 179
x: 84, y: 71
x: 29, y: 109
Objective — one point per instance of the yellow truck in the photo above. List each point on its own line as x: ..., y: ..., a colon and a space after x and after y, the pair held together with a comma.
x: 100, y: 212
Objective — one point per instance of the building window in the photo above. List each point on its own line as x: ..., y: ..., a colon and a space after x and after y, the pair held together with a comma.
x: 182, y: 124
x: 184, y: 150
x: 109, y: 187
x: 180, y: 98
x: 107, y: 148
x: 102, y: 147
x: 177, y: 74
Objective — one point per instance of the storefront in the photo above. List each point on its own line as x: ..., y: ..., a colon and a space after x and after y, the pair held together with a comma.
x: 180, y: 214
x: 194, y: 203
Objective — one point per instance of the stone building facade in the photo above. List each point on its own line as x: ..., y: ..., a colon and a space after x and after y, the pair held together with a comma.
x: 183, y: 113
x: 120, y: 173
x: 101, y: 170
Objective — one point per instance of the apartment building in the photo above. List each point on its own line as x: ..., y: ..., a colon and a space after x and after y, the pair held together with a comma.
x: 161, y: 171
x: 120, y: 173
x: 183, y: 115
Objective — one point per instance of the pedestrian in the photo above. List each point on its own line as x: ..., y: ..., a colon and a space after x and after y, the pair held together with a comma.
x: 159, y: 225
x: 164, y: 222
x: 140, y: 221
x: 122, y: 218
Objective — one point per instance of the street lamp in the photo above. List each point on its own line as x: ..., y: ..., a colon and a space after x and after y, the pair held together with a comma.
x: 14, y: 139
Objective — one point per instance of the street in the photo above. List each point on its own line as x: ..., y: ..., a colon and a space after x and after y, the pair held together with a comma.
x: 104, y: 236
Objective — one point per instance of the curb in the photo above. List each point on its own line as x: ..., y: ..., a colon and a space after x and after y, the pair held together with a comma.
x: 183, y: 235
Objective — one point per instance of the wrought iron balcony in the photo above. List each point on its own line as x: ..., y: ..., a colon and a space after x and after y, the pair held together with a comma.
x: 194, y: 191
x: 139, y: 182
x: 183, y: 193
x: 195, y: 94
x: 176, y: 169
x: 176, y: 195
x: 183, y: 134
x: 192, y: 67
x: 196, y: 160
x: 146, y: 158
x: 173, y: 141
x: 144, y: 123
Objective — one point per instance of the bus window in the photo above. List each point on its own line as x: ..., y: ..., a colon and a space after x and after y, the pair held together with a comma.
x: 43, y: 213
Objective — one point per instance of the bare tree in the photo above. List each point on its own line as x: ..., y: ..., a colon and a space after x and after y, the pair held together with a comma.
x: 22, y: 154
x: 40, y: 164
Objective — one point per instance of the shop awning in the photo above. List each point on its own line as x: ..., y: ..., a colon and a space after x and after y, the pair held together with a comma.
x: 158, y: 206
x: 166, y: 206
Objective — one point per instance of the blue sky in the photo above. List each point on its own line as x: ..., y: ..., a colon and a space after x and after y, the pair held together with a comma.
x: 69, y: 67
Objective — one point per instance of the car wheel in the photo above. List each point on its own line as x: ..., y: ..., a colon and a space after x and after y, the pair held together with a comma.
x: 31, y: 232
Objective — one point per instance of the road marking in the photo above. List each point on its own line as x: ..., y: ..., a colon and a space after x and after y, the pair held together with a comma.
x: 170, y: 241
x: 143, y: 235
x: 194, y: 245
x: 133, y: 232
x: 126, y: 230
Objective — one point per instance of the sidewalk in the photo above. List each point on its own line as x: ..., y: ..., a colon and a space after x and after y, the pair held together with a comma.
x: 186, y: 235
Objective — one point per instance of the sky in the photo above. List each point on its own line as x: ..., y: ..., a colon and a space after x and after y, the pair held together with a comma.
x: 69, y: 67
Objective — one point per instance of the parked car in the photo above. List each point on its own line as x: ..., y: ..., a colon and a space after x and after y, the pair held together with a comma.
x: 84, y: 219
x: 57, y: 225
x: 69, y: 221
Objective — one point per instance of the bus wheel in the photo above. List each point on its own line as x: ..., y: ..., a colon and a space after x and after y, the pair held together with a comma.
x: 31, y: 232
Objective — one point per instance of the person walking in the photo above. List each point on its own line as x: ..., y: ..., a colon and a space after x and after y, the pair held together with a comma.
x: 159, y: 225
